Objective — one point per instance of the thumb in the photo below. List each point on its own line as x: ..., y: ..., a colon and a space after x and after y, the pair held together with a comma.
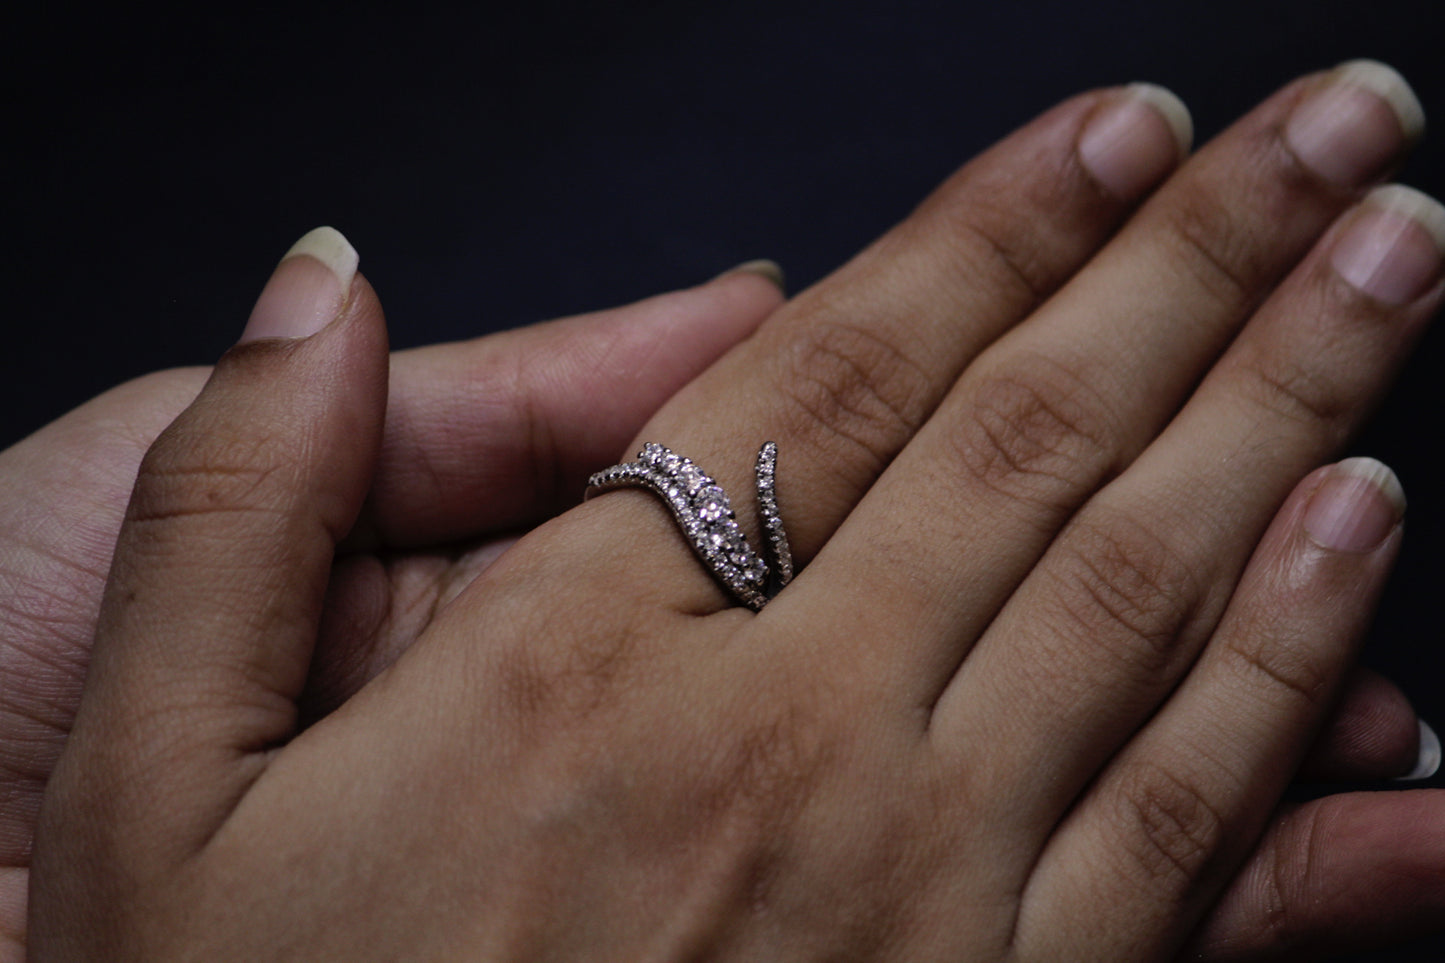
x: 221, y: 565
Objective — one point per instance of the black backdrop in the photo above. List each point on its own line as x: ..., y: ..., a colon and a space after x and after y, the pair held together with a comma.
x: 500, y: 165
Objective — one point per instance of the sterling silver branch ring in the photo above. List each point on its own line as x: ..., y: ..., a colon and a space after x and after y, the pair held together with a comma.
x: 703, y: 513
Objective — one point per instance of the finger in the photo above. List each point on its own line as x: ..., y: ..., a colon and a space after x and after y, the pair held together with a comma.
x: 374, y: 612
x: 1372, y: 733
x: 842, y: 375
x: 62, y: 493
x: 1163, y: 829
x: 1346, y: 873
x: 482, y: 435
x: 1071, y: 397
x: 503, y: 431
x: 1130, y: 592
x: 210, y: 610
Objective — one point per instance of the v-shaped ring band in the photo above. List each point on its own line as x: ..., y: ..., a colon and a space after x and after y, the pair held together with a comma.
x: 705, y: 516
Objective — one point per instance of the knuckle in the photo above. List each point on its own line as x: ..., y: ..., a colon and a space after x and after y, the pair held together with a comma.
x: 1171, y: 829
x: 1040, y: 437
x: 992, y: 242
x: 1008, y: 231
x: 1287, y: 666
x: 1290, y: 391
x: 1215, y: 246
x: 542, y: 455
x: 846, y: 383
x: 185, y: 475
x: 1122, y: 585
x: 1293, y: 874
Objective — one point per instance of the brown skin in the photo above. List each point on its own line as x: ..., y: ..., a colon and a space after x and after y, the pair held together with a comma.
x: 589, y: 752
x: 483, y: 439
x: 1372, y: 735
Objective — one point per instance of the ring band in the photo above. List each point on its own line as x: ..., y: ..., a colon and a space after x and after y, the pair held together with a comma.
x: 703, y: 512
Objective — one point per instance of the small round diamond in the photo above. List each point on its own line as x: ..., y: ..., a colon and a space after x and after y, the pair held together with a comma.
x: 712, y: 504
x: 692, y: 477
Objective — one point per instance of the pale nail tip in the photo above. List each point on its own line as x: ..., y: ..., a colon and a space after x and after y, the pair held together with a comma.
x: 1385, y: 81
x: 1428, y: 761
x: 764, y: 268
x: 1378, y: 474
x: 1175, y: 113
x: 1416, y: 205
x: 331, y: 248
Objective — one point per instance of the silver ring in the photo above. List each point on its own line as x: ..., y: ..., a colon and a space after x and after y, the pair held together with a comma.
x: 705, y: 516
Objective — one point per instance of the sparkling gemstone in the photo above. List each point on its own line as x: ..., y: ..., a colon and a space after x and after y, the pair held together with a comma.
x: 692, y: 477
x: 712, y: 504
x: 652, y: 453
x: 671, y: 463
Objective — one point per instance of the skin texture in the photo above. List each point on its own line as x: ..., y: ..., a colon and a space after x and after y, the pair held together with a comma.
x: 589, y: 752
x: 482, y: 440
x: 83, y: 467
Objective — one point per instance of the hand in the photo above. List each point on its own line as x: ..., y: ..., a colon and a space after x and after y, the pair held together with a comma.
x: 1031, y: 689
x: 483, y: 440
x: 63, y: 492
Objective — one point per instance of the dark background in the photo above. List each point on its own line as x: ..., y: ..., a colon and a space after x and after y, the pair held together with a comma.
x: 507, y: 164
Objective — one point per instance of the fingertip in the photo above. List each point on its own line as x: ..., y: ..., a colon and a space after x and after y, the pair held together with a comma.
x: 310, y: 287
x: 331, y: 248
x: 1134, y: 139
x: 764, y: 268
x: 1372, y: 734
x: 1171, y: 108
x: 1358, y: 503
x: 1427, y: 760
x: 1386, y: 83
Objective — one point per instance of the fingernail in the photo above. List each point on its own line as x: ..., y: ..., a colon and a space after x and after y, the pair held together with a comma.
x: 1359, y: 503
x: 1134, y: 140
x: 1393, y: 248
x: 1355, y: 123
x: 307, y: 290
x: 1428, y: 761
x: 762, y: 268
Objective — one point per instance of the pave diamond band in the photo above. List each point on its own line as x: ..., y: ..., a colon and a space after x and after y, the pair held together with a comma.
x: 705, y: 516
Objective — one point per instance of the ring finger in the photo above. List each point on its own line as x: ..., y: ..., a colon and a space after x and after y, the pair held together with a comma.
x: 843, y: 375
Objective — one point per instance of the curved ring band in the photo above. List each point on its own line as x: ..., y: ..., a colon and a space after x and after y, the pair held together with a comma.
x: 703, y: 513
